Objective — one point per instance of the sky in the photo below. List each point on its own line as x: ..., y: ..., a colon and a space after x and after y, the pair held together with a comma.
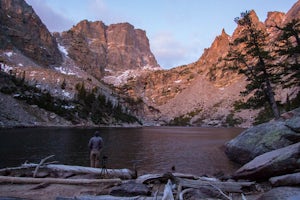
x: 178, y: 30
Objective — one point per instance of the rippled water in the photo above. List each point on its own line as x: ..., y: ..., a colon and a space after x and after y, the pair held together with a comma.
x: 151, y: 149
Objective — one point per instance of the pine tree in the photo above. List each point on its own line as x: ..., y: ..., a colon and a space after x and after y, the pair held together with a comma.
x: 251, y: 56
x: 288, y: 47
x: 63, y: 85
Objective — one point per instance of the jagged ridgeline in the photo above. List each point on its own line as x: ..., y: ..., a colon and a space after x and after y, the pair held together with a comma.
x: 106, y: 74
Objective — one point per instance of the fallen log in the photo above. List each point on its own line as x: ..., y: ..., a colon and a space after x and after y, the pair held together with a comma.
x: 286, y: 180
x: 150, y: 177
x: 110, y: 197
x: 168, y: 194
x: 28, y: 180
x: 231, y: 187
x: 117, y: 173
x: 181, y: 194
x: 40, y: 164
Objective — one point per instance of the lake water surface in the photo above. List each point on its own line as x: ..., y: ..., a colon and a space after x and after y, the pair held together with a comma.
x: 151, y: 149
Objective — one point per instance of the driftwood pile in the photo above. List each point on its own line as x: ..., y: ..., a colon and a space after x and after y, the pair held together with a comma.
x: 124, y: 183
x: 184, y: 186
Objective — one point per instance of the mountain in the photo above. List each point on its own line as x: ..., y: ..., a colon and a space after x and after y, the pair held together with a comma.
x: 108, y: 51
x: 115, y: 62
x: 203, y: 93
x: 21, y: 29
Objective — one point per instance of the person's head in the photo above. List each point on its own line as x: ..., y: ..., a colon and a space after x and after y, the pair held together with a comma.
x: 97, y: 133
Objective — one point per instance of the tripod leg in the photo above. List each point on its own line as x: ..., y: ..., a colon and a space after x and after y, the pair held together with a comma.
x: 103, y: 172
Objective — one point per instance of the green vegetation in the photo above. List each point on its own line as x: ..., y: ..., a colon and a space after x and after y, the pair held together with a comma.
x: 232, y: 121
x: 88, y: 105
x: 180, y: 121
x: 99, y: 109
x: 288, y: 45
x: 212, y: 73
x: 184, y: 120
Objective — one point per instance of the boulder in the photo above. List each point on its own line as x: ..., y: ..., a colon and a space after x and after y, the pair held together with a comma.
x: 131, y: 189
x: 258, y: 140
x: 294, y: 124
x: 282, y: 193
x: 274, y: 163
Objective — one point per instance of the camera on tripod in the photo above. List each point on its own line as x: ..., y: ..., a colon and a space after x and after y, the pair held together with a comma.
x: 103, y: 172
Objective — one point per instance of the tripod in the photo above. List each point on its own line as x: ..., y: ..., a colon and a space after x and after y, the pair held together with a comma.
x: 104, y: 171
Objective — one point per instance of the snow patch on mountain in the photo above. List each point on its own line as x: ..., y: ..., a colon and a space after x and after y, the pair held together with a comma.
x: 65, y: 70
x: 9, y: 53
x: 63, y: 49
x: 120, y: 78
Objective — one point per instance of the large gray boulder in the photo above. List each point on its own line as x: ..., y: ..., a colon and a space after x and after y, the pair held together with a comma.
x: 258, y: 140
x: 282, y: 193
x: 265, y: 137
x: 274, y: 163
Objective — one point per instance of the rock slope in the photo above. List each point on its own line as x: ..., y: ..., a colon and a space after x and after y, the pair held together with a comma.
x: 22, y: 29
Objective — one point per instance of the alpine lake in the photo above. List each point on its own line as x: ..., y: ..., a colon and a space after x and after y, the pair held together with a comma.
x: 192, y: 150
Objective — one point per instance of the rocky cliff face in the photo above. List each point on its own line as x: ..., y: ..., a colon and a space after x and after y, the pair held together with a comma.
x: 22, y: 29
x: 201, y: 93
x: 107, y: 50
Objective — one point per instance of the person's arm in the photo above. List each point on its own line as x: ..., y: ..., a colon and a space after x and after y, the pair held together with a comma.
x: 90, y: 144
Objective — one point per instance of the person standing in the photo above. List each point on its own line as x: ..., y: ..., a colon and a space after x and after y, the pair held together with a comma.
x: 95, y: 146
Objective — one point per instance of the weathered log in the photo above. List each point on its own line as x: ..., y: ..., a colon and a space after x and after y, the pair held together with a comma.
x: 235, y: 187
x: 8, y: 169
x: 188, y: 176
x: 220, y: 191
x: 148, y: 177
x: 168, y: 194
x: 286, y: 180
x: 27, y: 180
x: 40, y: 164
x: 181, y: 194
x: 110, y: 197
x: 118, y: 173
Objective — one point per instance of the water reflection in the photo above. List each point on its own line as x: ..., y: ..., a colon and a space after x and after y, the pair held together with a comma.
x: 151, y: 149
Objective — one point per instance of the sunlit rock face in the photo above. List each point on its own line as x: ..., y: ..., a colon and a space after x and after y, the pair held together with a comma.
x: 107, y: 50
x: 128, y: 48
x: 22, y: 29
x: 203, y: 92
x: 198, y: 94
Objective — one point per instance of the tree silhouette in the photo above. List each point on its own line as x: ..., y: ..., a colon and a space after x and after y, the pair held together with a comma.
x: 288, y: 46
x: 251, y: 55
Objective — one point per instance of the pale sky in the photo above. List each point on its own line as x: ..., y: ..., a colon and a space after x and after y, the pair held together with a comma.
x: 178, y: 30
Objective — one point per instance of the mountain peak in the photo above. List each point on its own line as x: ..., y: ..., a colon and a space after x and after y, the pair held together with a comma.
x: 108, y: 50
x: 224, y: 33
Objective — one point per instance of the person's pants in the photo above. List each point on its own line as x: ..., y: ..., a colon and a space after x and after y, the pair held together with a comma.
x: 95, y: 158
